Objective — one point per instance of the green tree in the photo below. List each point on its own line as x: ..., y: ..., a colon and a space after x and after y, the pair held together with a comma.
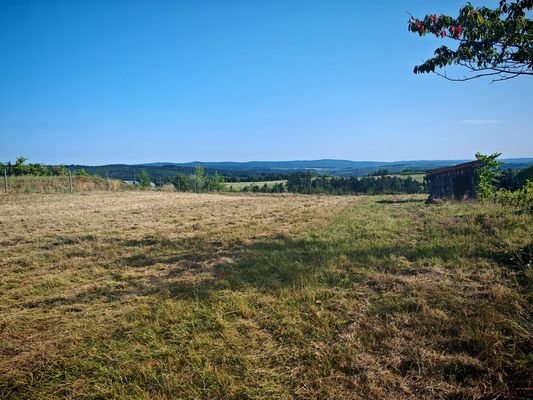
x: 182, y: 183
x: 198, y: 179
x: 523, y: 176
x: 20, y: 166
x: 497, y: 43
x: 58, y: 170
x: 217, y: 182
x: 487, y: 175
x: 144, y: 179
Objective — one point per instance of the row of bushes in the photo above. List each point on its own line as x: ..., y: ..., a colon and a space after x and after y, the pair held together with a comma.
x: 305, y: 182
x: 21, y: 168
x: 521, y: 198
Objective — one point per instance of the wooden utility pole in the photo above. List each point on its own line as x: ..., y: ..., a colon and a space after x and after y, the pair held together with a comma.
x: 5, y: 180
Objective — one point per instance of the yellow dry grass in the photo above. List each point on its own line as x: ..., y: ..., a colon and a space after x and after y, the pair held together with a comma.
x: 61, y: 184
x: 77, y: 262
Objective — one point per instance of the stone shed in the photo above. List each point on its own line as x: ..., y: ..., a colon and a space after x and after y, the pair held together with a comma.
x: 456, y: 182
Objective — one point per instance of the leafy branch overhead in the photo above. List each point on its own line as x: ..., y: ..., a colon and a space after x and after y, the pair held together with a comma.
x: 491, y: 42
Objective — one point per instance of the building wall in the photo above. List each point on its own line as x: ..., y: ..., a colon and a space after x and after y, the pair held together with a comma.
x: 446, y: 185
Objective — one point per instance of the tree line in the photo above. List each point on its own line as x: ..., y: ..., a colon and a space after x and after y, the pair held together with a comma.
x: 296, y: 182
x: 199, y: 181
x: 20, y: 168
x: 306, y: 182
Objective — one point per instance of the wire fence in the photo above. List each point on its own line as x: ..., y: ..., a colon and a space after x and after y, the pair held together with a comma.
x: 67, y: 183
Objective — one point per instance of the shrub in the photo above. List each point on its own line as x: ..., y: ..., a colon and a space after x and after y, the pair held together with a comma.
x: 521, y: 198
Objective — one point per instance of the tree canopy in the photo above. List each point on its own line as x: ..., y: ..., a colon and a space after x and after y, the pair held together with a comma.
x: 496, y: 43
x: 488, y: 175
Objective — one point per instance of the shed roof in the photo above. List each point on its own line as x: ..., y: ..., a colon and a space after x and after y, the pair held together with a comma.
x: 471, y: 164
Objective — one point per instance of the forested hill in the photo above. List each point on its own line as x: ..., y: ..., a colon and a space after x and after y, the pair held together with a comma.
x: 245, y: 170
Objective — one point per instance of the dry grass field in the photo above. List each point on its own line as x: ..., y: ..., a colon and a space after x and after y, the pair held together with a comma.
x: 55, y: 184
x: 154, y: 295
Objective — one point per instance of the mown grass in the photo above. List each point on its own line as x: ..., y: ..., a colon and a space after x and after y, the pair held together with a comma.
x: 164, y: 295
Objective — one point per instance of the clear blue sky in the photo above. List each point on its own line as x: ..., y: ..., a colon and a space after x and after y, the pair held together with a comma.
x: 98, y: 81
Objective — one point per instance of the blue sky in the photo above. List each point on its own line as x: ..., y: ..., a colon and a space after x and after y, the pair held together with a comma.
x: 96, y: 82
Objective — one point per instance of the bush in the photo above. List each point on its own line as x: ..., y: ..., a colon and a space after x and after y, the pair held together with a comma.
x: 521, y: 198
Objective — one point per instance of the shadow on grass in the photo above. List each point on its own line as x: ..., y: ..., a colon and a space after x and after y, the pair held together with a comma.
x: 195, y: 267
x: 399, y: 201
x: 285, y: 262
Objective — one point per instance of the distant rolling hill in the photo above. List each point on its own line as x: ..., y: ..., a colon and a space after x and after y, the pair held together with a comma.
x: 166, y: 170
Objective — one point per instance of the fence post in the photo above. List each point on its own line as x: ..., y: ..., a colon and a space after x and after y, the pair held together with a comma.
x: 71, y: 188
x: 107, y: 180
x: 5, y: 180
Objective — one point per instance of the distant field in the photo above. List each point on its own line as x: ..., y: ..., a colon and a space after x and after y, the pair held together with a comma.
x: 416, y: 177
x: 240, y: 185
x: 154, y: 295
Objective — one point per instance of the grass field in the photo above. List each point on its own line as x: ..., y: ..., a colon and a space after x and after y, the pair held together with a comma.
x: 240, y: 185
x: 152, y: 295
x: 416, y: 177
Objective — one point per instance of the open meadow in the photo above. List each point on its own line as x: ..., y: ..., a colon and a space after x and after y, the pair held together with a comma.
x: 154, y: 295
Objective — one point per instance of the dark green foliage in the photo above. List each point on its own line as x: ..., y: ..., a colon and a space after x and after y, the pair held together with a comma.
x: 216, y: 182
x: 491, y: 42
x: 522, y: 198
x: 198, y: 182
x: 515, y: 179
x: 21, y: 168
x: 507, y: 179
x: 144, y: 179
x: 58, y: 170
x: 523, y: 176
x: 306, y: 182
x: 81, y: 172
x: 183, y: 183
x: 265, y: 188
